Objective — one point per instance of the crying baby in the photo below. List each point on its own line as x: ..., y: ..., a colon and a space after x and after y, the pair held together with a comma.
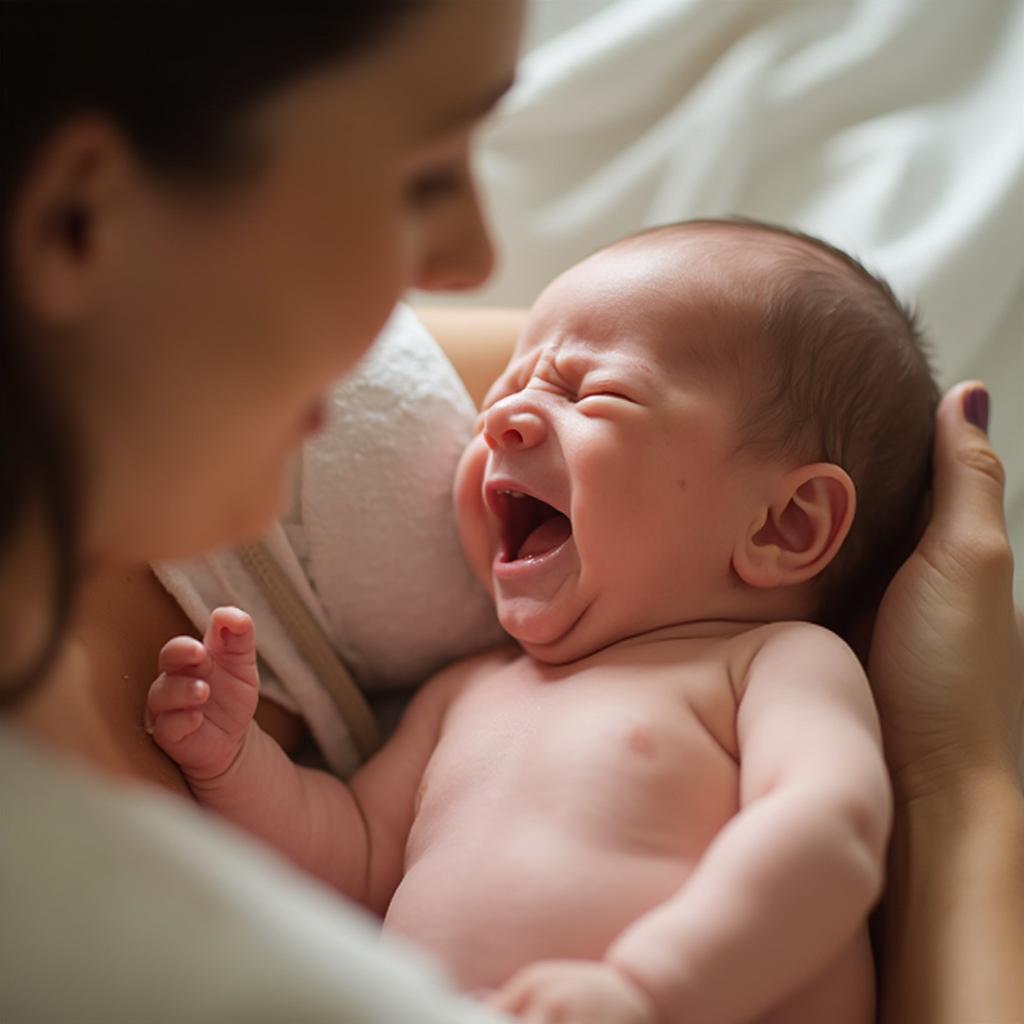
x: 668, y: 802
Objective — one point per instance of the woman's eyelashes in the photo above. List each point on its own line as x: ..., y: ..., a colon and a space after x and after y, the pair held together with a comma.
x: 434, y: 185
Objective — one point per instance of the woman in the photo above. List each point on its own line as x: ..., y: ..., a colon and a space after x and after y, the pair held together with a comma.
x: 206, y: 221
x: 209, y: 211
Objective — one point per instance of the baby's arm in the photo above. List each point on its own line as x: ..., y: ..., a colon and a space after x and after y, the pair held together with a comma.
x: 787, y: 883
x: 353, y: 837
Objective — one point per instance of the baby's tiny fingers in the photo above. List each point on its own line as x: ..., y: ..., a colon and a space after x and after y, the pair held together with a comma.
x: 174, y: 726
x: 177, y: 693
x: 507, y: 1001
x: 182, y: 654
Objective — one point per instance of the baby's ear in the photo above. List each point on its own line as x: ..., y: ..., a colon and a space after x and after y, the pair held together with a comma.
x: 800, y: 530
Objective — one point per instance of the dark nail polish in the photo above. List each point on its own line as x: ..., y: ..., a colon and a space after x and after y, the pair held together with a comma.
x: 976, y: 406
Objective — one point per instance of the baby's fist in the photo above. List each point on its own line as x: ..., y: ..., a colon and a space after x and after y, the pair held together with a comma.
x: 201, y: 705
x: 573, y: 992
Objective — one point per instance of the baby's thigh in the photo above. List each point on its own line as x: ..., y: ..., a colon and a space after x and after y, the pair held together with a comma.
x: 844, y: 993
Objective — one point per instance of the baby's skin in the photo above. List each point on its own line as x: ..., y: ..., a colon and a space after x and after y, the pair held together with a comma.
x: 678, y: 828
x: 667, y: 806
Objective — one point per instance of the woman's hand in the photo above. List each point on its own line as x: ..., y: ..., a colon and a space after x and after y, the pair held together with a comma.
x: 947, y: 652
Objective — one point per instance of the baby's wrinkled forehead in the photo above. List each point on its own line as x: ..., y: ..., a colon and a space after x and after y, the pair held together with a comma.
x: 697, y: 293
x: 674, y: 303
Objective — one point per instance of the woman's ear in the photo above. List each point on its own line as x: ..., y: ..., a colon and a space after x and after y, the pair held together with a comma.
x: 798, y: 533
x: 56, y: 220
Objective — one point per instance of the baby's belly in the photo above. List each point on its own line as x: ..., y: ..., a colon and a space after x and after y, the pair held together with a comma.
x: 557, y: 809
x: 552, y: 818
x: 487, y: 905
x: 486, y: 910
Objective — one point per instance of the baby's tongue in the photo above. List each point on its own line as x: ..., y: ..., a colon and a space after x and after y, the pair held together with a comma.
x: 545, y: 537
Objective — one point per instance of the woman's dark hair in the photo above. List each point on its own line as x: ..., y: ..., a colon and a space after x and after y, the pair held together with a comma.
x: 175, y: 78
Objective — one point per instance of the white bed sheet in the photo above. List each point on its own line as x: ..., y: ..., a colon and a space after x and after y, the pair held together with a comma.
x: 892, y: 128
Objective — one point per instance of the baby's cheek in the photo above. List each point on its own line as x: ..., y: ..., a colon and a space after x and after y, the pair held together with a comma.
x: 471, y: 515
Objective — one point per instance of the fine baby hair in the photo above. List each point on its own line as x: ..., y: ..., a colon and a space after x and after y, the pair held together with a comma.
x: 830, y: 367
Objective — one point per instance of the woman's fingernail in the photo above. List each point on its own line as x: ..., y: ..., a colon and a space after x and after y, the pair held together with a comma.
x: 976, y: 407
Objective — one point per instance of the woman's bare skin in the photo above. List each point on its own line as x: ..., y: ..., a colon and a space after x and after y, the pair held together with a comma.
x: 124, y: 618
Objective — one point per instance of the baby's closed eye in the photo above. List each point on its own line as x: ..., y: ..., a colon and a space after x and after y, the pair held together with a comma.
x: 609, y: 390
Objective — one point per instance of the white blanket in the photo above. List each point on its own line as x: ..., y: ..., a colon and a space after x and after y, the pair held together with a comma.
x: 892, y: 128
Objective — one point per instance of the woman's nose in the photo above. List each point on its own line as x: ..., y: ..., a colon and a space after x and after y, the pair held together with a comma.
x: 457, y: 252
x: 509, y: 425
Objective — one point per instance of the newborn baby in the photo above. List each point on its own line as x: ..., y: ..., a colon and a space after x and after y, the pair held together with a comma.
x: 669, y: 805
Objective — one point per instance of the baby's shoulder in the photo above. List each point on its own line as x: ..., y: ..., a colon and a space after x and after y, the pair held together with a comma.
x: 803, y: 644
x: 452, y: 680
x: 791, y: 631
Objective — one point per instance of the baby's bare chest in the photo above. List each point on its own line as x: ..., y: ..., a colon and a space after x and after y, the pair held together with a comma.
x: 623, y: 754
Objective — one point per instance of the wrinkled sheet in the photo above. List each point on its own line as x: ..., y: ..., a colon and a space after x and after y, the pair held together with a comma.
x: 892, y: 128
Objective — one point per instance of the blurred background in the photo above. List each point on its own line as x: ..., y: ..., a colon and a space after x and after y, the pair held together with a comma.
x: 891, y: 128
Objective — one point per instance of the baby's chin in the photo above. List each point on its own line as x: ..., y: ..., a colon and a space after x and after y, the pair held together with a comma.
x: 546, y: 633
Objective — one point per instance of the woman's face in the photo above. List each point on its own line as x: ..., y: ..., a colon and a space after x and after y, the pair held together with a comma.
x: 217, y: 317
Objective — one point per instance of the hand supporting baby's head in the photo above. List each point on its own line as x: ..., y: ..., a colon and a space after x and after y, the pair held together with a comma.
x: 683, y: 434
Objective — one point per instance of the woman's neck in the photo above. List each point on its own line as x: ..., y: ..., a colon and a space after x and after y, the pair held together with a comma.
x: 91, y: 703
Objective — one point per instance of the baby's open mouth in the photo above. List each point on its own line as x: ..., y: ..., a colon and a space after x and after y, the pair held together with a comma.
x: 529, y: 527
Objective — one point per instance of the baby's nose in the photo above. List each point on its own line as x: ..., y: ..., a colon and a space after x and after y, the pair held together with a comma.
x: 509, y: 425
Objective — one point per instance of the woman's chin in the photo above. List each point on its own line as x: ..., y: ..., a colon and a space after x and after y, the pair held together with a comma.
x: 249, y: 520
x: 255, y: 524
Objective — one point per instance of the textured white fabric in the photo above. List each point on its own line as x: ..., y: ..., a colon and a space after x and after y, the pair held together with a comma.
x: 892, y: 128
x: 123, y: 906
x: 369, y: 541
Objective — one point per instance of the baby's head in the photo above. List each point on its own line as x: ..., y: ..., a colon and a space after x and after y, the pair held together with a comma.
x: 711, y: 421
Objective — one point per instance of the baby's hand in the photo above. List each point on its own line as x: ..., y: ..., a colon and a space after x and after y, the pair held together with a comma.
x: 573, y: 992
x: 200, y: 708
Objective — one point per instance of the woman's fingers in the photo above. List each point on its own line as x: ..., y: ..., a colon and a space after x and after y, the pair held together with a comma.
x: 947, y: 659
x: 969, y: 479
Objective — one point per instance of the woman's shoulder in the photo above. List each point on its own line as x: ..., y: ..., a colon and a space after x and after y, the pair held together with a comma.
x: 121, y: 902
